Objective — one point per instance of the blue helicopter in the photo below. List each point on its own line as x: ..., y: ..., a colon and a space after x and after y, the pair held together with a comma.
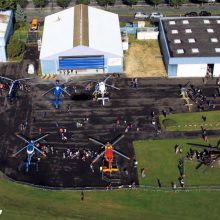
x: 30, y: 147
x: 14, y: 86
x: 57, y: 90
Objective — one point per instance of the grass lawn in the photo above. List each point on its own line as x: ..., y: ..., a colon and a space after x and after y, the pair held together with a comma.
x: 191, y: 121
x: 159, y: 159
x: 24, y: 203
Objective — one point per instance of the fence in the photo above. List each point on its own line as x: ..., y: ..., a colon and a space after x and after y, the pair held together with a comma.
x: 124, y: 187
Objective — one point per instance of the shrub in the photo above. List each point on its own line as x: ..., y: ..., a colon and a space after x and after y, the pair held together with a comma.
x: 15, y: 47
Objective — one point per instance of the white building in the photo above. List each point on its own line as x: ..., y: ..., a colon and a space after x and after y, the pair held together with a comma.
x: 81, y: 39
x: 191, y: 45
x: 6, y: 28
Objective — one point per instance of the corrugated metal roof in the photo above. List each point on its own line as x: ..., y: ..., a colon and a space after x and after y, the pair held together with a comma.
x: 81, y: 25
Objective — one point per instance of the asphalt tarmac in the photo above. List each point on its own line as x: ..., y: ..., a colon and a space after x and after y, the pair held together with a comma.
x: 82, y: 117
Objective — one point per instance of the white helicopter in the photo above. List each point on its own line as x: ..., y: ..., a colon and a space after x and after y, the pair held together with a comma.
x: 101, y: 90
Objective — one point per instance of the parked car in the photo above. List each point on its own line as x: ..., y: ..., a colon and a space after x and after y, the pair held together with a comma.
x: 204, y: 13
x: 30, y: 69
x: 191, y: 14
x: 155, y: 16
x: 141, y: 15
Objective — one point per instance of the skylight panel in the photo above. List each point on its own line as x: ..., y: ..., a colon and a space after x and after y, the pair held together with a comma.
x: 188, y: 31
x: 214, y: 40
x: 174, y: 31
x: 191, y: 40
x: 180, y: 51
x: 177, y: 41
x: 217, y: 50
x: 172, y: 22
x: 210, y: 30
x: 185, y: 22
x: 195, y: 50
x: 206, y: 21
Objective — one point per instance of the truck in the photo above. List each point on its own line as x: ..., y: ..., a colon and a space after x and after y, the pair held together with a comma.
x: 34, y: 24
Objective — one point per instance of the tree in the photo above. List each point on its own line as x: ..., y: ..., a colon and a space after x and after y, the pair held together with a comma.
x: 130, y: 2
x: 22, y: 3
x: 15, y: 47
x: 7, y: 4
x: 155, y: 2
x: 177, y: 3
x: 39, y: 3
x: 63, y: 3
x: 85, y: 2
x: 19, y: 14
x: 106, y: 3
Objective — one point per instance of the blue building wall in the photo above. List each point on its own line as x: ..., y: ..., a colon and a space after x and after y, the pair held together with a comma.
x: 6, y: 37
x: 51, y: 64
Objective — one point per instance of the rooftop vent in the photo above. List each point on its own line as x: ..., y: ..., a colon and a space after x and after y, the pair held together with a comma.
x: 214, y: 40
x: 172, y: 22
x: 195, y: 50
x: 185, y: 22
x: 177, y: 41
x: 191, y: 40
x: 180, y: 51
x: 174, y: 31
x: 210, y: 30
x: 217, y: 50
x: 188, y: 31
x: 206, y: 21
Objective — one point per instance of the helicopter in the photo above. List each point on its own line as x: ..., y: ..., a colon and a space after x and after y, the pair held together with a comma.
x: 108, y: 154
x: 14, y: 86
x: 208, y: 157
x: 57, y: 90
x: 30, y: 149
x: 101, y: 90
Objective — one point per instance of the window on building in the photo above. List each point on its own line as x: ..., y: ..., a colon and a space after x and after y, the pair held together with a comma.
x: 210, y: 30
x: 177, y: 41
x: 180, y: 51
x: 195, y: 50
x: 191, y: 40
x: 206, y: 21
x: 188, y: 31
x: 174, y: 31
x: 185, y: 22
x: 214, y: 40
x: 172, y: 22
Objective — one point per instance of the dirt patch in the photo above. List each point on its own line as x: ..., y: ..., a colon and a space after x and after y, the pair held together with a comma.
x: 144, y: 59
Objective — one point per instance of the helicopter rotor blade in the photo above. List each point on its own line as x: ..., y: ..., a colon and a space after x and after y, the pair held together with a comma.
x: 66, y: 82
x: 39, y: 150
x: 20, y: 150
x: 106, y: 79
x: 41, y: 138
x: 22, y: 138
x: 96, y: 142
x: 23, y: 79
x: 117, y: 152
x: 98, y: 156
x: 3, y: 77
x: 112, y: 86
x: 48, y: 91
x: 65, y: 91
x: 118, y: 139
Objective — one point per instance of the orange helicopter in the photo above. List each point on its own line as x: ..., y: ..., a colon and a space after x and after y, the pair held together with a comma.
x: 108, y: 154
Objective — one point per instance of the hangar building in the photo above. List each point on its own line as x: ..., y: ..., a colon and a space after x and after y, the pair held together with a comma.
x: 190, y: 46
x: 6, y: 28
x: 80, y: 40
